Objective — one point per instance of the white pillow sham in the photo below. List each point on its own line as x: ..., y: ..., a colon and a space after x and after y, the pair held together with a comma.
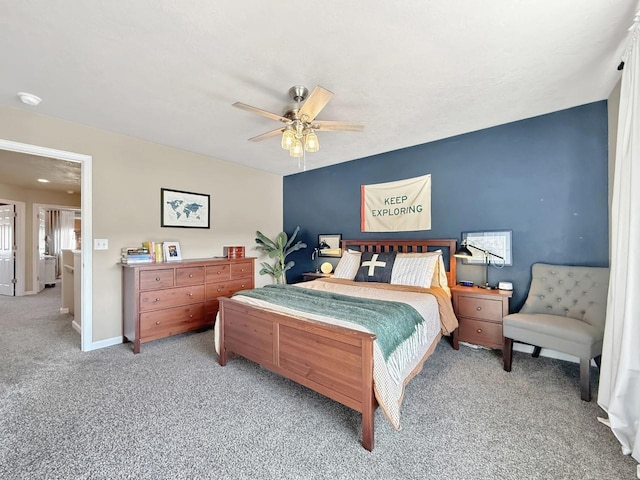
x: 348, y: 265
x: 416, y: 269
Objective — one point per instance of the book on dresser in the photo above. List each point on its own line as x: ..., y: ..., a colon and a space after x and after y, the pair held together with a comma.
x: 135, y: 255
x: 163, y: 299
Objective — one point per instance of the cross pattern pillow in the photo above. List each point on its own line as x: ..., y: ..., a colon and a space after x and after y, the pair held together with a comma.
x: 376, y: 267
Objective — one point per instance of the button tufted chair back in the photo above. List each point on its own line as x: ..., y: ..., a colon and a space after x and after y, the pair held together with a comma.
x: 576, y: 292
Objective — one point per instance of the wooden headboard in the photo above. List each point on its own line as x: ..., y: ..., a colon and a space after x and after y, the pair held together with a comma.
x: 447, y: 245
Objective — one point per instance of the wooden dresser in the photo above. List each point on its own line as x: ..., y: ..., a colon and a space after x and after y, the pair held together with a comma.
x: 479, y: 313
x: 163, y: 299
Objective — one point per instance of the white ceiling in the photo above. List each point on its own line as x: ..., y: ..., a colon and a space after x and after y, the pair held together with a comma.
x: 22, y: 170
x: 168, y: 71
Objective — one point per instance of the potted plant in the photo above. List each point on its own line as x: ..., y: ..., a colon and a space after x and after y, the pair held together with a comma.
x: 278, y: 249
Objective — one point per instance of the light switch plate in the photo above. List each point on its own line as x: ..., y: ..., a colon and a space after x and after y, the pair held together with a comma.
x: 100, y: 244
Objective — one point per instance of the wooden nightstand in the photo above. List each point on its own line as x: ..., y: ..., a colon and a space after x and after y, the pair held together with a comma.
x: 479, y: 313
x: 307, y: 276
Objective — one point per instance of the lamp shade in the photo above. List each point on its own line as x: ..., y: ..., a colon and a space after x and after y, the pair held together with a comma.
x: 463, y: 252
x: 296, y: 149
x: 311, y: 143
x: 288, y: 139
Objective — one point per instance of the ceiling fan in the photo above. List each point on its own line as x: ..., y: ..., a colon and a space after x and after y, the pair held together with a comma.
x: 299, y: 118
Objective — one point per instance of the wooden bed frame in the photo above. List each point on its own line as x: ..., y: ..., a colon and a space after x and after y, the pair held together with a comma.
x: 334, y: 361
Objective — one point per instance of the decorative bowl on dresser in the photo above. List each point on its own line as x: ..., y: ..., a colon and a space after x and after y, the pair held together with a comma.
x: 163, y: 299
x: 479, y: 313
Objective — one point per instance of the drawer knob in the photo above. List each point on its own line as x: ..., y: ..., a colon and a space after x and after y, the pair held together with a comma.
x: 191, y: 316
x: 157, y: 279
x: 191, y: 275
x: 190, y: 294
x: 479, y: 330
x: 242, y: 286
x: 157, y: 299
x: 242, y: 269
x: 478, y: 308
x: 158, y: 322
x: 218, y: 272
x: 219, y: 289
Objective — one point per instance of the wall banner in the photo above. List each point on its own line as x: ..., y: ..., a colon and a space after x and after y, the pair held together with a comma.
x: 400, y: 206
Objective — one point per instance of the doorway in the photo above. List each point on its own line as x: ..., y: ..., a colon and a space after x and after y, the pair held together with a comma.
x: 86, y: 330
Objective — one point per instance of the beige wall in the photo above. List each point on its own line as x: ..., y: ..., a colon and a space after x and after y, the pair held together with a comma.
x: 30, y: 197
x: 127, y: 176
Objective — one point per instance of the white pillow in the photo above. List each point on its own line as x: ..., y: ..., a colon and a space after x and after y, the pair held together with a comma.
x: 348, y: 265
x: 415, y: 269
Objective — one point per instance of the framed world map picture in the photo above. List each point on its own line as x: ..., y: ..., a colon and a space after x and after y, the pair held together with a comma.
x: 184, y: 209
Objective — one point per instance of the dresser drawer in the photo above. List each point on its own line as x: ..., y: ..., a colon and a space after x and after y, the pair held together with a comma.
x: 211, y: 310
x: 480, y: 333
x: 171, y: 321
x: 170, y: 298
x: 189, y: 276
x: 482, y: 308
x: 241, y: 270
x: 226, y: 289
x: 218, y: 273
x: 150, y: 280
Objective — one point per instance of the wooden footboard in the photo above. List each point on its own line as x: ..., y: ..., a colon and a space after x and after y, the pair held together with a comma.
x: 334, y: 361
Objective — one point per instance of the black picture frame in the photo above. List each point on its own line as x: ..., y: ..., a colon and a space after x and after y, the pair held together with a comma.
x: 329, y: 245
x: 180, y: 209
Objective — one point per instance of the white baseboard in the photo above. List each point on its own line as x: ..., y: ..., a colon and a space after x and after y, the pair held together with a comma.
x: 30, y: 292
x: 76, y: 326
x: 107, y: 343
x: 545, y: 352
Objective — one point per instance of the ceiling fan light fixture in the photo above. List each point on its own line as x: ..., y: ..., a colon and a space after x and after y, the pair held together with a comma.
x: 288, y: 139
x: 311, y: 143
x: 296, y: 149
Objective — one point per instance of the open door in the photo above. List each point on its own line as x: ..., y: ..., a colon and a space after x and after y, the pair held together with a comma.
x: 7, y: 250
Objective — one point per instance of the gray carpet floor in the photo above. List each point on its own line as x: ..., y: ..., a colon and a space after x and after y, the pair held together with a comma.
x: 172, y: 412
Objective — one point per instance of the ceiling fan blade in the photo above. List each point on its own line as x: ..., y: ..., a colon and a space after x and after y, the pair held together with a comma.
x: 259, y: 111
x: 315, y: 103
x: 336, y: 125
x: 264, y: 136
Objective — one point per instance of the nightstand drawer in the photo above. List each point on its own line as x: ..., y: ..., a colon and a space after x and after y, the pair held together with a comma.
x: 481, y: 308
x: 480, y: 333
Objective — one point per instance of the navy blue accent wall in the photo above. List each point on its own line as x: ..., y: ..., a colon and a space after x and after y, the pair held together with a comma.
x: 544, y: 178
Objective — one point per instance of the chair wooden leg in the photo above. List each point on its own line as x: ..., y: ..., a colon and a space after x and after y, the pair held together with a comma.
x: 507, y: 351
x: 536, y: 351
x: 585, y: 379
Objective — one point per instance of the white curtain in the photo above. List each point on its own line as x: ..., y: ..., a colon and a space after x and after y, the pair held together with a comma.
x: 60, y: 234
x: 619, y: 391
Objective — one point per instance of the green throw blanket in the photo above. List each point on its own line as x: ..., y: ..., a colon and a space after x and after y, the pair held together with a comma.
x: 392, y: 322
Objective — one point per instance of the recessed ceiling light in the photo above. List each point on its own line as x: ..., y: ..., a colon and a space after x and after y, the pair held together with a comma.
x: 70, y: 192
x: 29, y: 98
x: 43, y: 180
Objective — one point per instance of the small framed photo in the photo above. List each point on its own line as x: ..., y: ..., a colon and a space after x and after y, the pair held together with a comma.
x: 329, y: 245
x: 184, y: 209
x: 171, y: 251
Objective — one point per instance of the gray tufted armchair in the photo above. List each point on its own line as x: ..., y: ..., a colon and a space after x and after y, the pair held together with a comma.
x: 564, y: 311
